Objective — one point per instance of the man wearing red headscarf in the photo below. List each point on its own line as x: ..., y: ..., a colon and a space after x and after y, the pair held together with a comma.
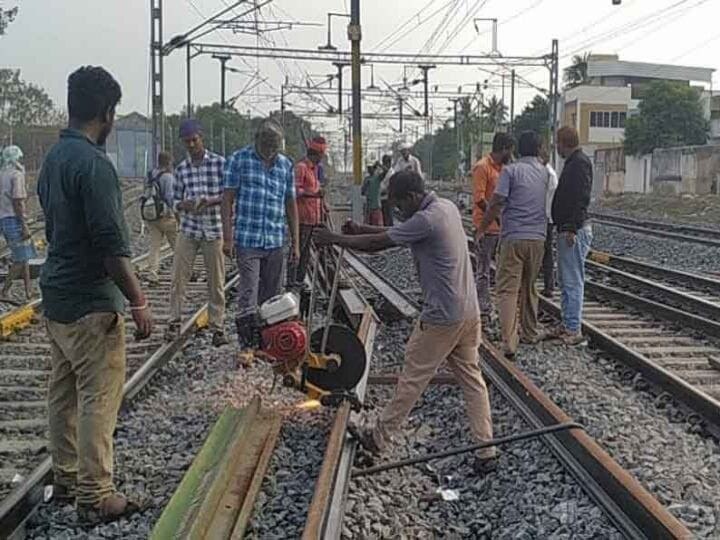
x: 309, y: 197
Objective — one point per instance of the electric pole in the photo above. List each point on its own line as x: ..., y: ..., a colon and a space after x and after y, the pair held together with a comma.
x: 425, y: 69
x: 223, y: 58
x: 512, y: 101
x: 355, y: 35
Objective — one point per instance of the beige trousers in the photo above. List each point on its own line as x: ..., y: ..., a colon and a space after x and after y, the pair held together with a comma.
x: 164, y: 228
x: 428, y: 346
x: 518, y: 268
x: 84, y: 395
x: 185, y: 252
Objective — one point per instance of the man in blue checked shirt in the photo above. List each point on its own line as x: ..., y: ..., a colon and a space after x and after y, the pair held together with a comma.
x: 260, y: 191
x: 197, y: 196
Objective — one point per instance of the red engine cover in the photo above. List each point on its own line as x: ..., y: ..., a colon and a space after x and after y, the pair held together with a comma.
x: 285, y: 341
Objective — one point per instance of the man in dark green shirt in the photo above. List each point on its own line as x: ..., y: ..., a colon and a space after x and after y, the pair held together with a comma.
x: 83, y: 282
x: 371, y: 190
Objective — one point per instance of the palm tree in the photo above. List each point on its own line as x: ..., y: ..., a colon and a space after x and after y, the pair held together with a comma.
x: 495, y: 112
x: 577, y: 72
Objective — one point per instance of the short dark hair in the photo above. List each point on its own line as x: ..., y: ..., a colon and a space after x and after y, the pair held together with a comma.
x: 92, y: 93
x: 528, y: 144
x: 164, y: 159
x: 502, y: 142
x: 404, y: 183
x: 387, y: 158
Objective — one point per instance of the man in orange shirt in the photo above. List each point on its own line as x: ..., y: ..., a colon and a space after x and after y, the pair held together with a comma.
x: 485, y: 177
x: 309, y: 196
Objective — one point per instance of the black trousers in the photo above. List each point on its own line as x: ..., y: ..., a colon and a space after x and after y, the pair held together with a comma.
x: 548, y: 263
x: 387, y: 213
x: 296, y: 273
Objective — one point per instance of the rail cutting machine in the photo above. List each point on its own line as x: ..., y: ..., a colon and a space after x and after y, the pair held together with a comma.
x: 327, y: 364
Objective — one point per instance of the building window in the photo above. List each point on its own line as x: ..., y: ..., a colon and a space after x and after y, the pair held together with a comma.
x: 607, y: 119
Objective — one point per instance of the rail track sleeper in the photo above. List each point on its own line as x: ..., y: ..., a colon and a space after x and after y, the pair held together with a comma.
x: 656, y: 309
x: 700, y: 401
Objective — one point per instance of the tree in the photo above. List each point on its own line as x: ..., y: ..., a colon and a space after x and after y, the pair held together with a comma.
x: 6, y: 17
x: 534, y: 116
x: 577, y: 72
x: 23, y: 103
x: 671, y: 114
x: 227, y: 129
x: 495, y: 114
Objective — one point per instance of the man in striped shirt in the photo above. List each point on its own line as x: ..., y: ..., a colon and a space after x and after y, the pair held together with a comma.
x: 259, y: 188
x: 197, y: 193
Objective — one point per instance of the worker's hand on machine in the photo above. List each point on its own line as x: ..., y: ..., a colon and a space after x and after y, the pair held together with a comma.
x: 351, y: 227
x: 324, y: 236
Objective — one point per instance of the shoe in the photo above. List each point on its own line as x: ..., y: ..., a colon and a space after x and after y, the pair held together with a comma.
x: 172, y: 332
x: 485, y: 465
x: 111, y: 508
x: 510, y: 355
x: 248, y: 332
x: 573, y: 338
x: 62, y: 494
x: 365, y: 437
x: 219, y: 339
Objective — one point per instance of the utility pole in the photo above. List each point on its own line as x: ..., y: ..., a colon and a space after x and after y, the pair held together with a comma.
x: 400, y: 111
x: 355, y: 35
x: 512, y: 101
x: 457, y: 128
x: 340, y: 66
x: 156, y: 80
x: 282, y: 106
x: 554, y: 75
x: 223, y: 58
x: 425, y: 69
x: 188, y: 61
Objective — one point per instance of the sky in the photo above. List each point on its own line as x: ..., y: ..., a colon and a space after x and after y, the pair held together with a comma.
x: 51, y: 38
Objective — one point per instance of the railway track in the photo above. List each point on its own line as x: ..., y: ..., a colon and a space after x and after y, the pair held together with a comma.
x: 231, y: 500
x: 24, y: 372
x: 36, y: 224
x: 603, y: 479
x: 662, y: 323
x: 666, y: 332
x: 686, y: 233
x: 604, y: 482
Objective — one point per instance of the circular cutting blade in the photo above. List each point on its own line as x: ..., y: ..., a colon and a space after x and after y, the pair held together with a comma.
x: 345, y: 343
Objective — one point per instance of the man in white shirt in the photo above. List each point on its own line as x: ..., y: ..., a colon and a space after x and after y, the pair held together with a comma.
x: 407, y: 160
x: 548, y: 263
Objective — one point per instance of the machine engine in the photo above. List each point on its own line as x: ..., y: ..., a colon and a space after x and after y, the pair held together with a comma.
x: 328, y: 363
x: 284, y: 336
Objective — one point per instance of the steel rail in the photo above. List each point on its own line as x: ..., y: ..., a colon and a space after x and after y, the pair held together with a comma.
x: 688, y: 309
x: 328, y: 503
x: 17, y: 507
x: 631, y: 508
x: 699, y: 401
x: 687, y: 279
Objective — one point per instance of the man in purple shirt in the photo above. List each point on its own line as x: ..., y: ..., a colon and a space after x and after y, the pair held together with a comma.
x: 520, y: 195
x: 449, y: 325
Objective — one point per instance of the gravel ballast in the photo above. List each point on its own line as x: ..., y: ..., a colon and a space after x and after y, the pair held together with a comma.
x: 689, y: 256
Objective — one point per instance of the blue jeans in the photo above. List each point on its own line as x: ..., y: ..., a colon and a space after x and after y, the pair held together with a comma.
x: 571, y: 271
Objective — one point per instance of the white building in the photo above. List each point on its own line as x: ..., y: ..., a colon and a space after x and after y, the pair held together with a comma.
x: 599, y: 109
